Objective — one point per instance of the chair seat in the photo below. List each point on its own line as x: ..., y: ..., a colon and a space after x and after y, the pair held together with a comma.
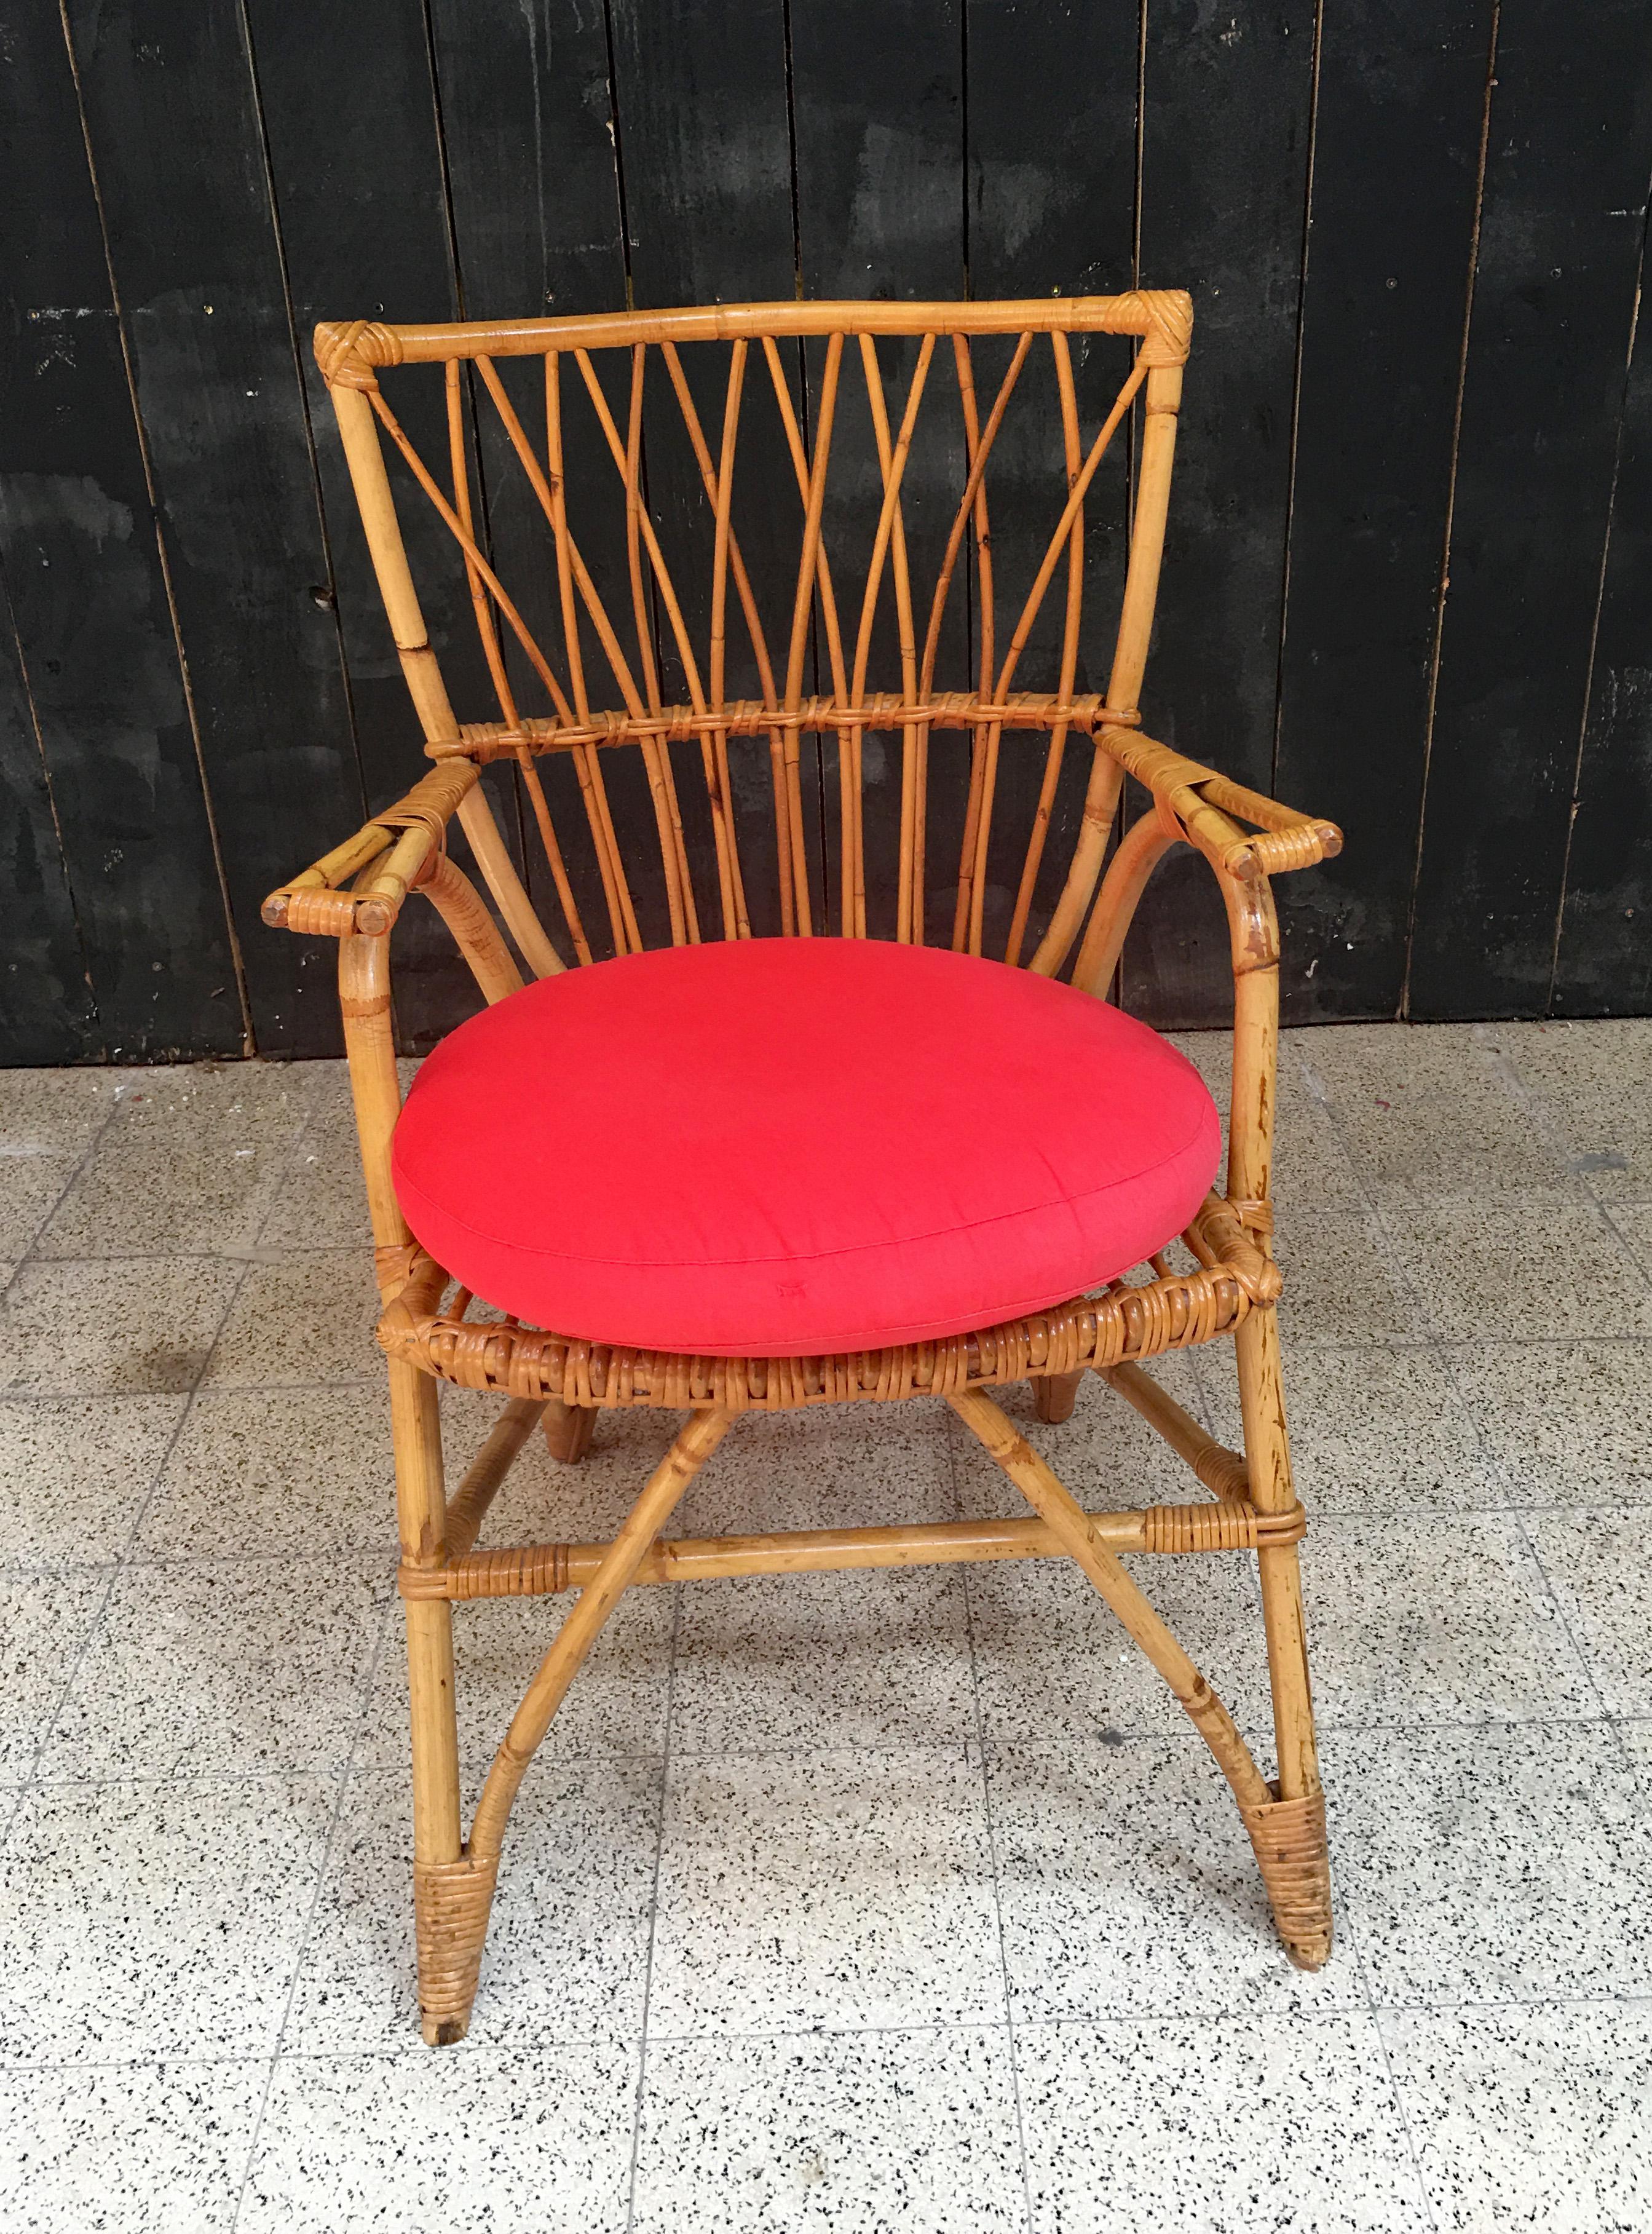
x: 785, y: 1148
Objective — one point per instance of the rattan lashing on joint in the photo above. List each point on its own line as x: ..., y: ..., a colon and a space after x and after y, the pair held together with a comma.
x: 1288, y: 1838
x: 451, y: 1906
x: 557, y: 1382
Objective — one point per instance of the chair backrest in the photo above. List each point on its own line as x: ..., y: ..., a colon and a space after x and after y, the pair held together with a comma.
x: 755, y: 634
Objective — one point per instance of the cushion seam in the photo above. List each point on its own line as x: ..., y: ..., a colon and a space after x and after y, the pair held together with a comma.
x: 813, y: 1257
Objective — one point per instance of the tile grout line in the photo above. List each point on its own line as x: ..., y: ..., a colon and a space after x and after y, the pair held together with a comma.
x: 365, y: 1549
x: 1435, y: 1344
x: 342, y: 1784
x: 1520, y: 1517
x: 1128, y: 2020
x: 1546, y: 1122
x: 1501, y: 1472
x: 654, y: 1907
x: 334, y: 1824
x: 1538, y: 1105
x: 1613, y: 1721
x: 250, y: 1252
x: 20, y: 1792
x: 1628, y: 1247
x: 95, y: 1629
x: 1421, y: 1316
x: 1314, y: 1087
x: 1143, y: 1734
x: 952, y: 1449
x: 119, y: 1567
x: 1374, y: 2016
x: 29, y: 1254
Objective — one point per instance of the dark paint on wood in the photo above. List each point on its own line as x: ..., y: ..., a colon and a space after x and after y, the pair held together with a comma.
x: 705, y: 155
x: 356, y: 157
x: 89, y: 596
x: 527, y: 123
x: 1052, y: 196
x: 430, y: 159
x: 1569, y: 148
x: 169, y: 103
x: 47, y: 1012
x: 877, y: 98
x: 1225, y: 184
x: 1401, y: 96
x: 1603, y: 966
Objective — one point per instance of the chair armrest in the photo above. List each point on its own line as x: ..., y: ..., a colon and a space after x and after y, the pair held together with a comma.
x: 312, y: 902
x: 1209, y: 807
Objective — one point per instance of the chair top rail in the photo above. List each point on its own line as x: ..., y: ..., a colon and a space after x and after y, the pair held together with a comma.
x: 351, y: 352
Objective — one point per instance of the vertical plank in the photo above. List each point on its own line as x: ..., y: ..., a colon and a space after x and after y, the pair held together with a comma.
x: 1050, y: 131
x: 1401, y: 98
x: 1603, y: 963
x: 529, y: 131
x: 705, y: 154
x: 47, y: 1014
x: 1570, y: 145
x: 705, y: 148
x: 168, y: 98
x: 355, y: 161
x: 878, y: 99
x: 88, y: 590
x: 1225, y: 133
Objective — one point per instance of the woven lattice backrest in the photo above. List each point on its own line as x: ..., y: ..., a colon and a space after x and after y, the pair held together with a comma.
x: 741, y: 613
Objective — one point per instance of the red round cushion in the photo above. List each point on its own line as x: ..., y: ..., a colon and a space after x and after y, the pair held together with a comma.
x: 782, y: 1148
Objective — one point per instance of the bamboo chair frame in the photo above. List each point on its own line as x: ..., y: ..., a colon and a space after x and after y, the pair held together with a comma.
x: 559, y: 1382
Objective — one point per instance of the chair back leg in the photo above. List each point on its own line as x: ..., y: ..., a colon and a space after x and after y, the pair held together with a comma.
x: 1055, y: 1395
x: 568, y: 1430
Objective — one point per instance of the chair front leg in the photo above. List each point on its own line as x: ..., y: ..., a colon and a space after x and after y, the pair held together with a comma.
x: 1288, y: 1835
x: 438, y: 1839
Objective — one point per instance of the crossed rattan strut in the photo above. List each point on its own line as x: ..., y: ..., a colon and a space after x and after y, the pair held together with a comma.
x: 795, y: 355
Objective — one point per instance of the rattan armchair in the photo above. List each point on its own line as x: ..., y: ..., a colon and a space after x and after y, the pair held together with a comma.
x: 802, y: 359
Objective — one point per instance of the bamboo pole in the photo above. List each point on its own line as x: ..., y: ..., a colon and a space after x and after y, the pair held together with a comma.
x: 1070, y: 1528
x: 460, y: 905
x: 355, y: 348
x: 372, y: 486
x: 1161, y: 402
x: 1055, y: 750
x: 1223, y: 1472
x: 694, y: 1446
x: 467, y: 1507
x: 538, y: 1569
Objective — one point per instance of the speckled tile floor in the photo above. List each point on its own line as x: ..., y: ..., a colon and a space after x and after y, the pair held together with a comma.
x: 887, y: 1901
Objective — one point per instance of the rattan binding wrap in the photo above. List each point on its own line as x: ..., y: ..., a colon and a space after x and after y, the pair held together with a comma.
x: 1171, y: 1312
x: 1225, y: 1528
x: 451, y: 1906
x: 1292, y: 1853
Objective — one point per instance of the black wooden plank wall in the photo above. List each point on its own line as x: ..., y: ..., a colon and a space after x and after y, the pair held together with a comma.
x: 1408, y: 574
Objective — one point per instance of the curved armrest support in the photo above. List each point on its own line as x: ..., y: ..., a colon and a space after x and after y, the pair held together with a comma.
x: 404, y: 841
x: 1196, y: 807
